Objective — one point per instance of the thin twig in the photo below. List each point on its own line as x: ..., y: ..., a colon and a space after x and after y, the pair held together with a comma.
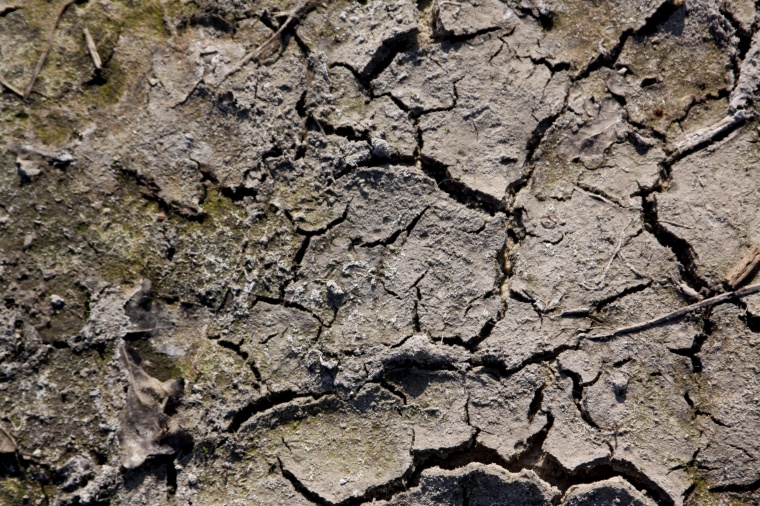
x: 614, y: 253
x: 601, y: 198
x: 8, y: 86
x: 713, y: 301
x: 92, y: 48
x: 294, y: 15
x: 152, y: 329
x: 49, y: 46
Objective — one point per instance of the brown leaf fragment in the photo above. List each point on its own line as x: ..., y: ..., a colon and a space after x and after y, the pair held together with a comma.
x: 144, y: 427
x: 746, y: 266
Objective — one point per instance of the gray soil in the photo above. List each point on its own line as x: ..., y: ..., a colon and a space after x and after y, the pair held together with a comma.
x: 379, y: 252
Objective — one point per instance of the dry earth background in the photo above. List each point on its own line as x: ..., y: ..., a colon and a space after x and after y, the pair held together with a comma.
x: 379, y: 261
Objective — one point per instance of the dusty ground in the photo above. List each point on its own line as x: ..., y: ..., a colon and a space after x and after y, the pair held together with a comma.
x: 381, y: 256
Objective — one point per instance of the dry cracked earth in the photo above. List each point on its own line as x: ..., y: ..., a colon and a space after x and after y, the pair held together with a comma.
x: 379, y: 252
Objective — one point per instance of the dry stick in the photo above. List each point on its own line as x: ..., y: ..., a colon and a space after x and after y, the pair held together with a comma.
x: 295, y: 14
x: 49, y: 46
x: 709, y: 134
x: 152, y: 329
x: 7, y: 85
x: 744, y: 268
x: 92, y: 48
x: 713, y: 301
x: 597, y: 197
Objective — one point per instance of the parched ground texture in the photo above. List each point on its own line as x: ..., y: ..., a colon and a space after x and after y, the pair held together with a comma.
x: 353, y: 252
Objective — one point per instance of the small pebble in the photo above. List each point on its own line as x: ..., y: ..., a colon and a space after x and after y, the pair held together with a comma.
x: 620, y: 384
x: 57, y: 302
x: 28, y: 169
x: 28, y: 241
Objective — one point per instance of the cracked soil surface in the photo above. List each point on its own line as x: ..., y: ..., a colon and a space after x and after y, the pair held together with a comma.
x: 380, y: 252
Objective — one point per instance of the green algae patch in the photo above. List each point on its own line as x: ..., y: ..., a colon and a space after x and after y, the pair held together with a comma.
x: 110, y: 89
x: 579, y: 39
x: 159, y: 365
x: 125, y: 32
x: 70, y: 383
x: 53, y: 129
x: 700, y: 494
x: 144, y: 18
x: 14, y: 490
x: 675, y: 67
